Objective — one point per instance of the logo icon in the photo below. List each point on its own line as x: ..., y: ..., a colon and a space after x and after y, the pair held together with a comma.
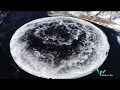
x: 102, y: 72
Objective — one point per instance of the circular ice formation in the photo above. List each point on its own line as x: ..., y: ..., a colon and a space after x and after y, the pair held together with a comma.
x: 59, y: 47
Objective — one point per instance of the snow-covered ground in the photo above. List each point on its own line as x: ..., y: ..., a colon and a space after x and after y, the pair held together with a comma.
x: 94, y: 13
x: 76, y: 13
x: 117, y: 20
x: 117, y: 25
x: 56, y: 13
x: 103, y: 16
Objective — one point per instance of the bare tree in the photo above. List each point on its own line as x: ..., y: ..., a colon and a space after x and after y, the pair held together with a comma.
x: 98, y: 13
x: 114, y: 15
x: 111, y: 15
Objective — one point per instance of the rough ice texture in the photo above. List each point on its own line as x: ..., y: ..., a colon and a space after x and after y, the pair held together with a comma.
x: 59, y: 47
